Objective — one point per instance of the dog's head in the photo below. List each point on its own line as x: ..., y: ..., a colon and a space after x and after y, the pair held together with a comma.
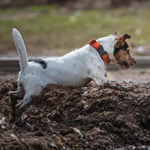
x: 122, y: 52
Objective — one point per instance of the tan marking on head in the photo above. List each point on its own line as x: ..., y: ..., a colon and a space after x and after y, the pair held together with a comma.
x: 125, y: 59
x: 119, y: 42
x: 123, y: 56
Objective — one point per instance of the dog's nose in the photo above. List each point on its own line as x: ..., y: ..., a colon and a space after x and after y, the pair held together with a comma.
x: 135, y: 61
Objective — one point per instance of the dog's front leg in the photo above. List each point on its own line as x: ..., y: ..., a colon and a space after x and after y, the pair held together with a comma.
x: 99, y: 76
x: 101, y: 81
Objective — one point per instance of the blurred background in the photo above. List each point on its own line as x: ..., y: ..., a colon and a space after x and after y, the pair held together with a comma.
x: 55, y: 27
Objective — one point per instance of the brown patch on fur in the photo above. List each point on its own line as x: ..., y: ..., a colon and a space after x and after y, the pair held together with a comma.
x: 123, y: 57
x: 119, y: 42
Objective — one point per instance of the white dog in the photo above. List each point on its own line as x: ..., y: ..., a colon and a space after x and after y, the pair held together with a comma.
x: 74, y: 69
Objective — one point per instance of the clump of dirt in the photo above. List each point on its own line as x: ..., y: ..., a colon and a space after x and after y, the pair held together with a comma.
x: 88, y: 118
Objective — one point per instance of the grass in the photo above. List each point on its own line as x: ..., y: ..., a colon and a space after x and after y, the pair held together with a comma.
x: 53, y: 27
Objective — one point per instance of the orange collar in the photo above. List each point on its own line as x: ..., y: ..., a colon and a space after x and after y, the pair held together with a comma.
x: 103, y: 54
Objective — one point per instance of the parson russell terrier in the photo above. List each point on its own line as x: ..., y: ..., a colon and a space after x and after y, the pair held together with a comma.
x: 74, y: 69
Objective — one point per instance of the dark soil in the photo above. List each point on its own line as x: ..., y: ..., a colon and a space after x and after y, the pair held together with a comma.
x: 89, y: 118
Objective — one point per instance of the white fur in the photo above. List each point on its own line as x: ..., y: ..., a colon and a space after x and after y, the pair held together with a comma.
x: 19, y: 43
x: 71, y: 70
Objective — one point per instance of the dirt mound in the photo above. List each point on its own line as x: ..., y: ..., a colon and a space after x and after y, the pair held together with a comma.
x: 87, y: 118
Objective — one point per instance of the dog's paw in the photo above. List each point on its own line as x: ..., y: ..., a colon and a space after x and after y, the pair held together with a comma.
x: 106, y: 84
x: 118, y: 86
x: 127, y: 88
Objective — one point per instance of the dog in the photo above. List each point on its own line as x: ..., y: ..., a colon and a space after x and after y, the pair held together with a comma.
x: 74, y: 69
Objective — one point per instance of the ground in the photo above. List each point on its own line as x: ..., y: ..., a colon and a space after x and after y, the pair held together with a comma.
x: 88, y: 118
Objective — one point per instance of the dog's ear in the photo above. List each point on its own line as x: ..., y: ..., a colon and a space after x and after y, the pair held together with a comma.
x: 125, y: 36
x: 116, y: 34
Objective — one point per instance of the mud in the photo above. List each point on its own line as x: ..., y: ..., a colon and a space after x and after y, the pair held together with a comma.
x: 88, y: 118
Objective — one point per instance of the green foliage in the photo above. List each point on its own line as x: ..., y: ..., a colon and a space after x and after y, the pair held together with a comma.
x: 58, y: 28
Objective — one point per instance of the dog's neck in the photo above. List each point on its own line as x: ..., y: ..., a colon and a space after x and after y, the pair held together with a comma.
x: 108, y: 44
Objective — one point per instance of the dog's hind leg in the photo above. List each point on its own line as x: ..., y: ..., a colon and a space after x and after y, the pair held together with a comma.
x: 29, y: 97
x: 27, y: 100
x: 14, y: 95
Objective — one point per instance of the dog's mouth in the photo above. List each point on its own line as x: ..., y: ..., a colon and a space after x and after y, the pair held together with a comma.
x: 124, y: 65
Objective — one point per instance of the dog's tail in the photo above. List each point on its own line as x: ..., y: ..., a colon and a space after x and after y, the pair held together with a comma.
x: 19, y: 43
